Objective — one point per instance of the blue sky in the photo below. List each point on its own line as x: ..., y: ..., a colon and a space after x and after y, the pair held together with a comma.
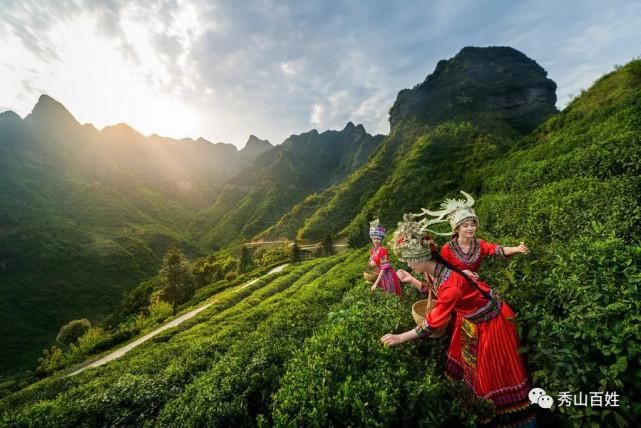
x: 224, y: 70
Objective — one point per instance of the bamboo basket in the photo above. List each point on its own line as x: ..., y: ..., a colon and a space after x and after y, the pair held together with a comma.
x: 370, y: 276
x: 421, y: 307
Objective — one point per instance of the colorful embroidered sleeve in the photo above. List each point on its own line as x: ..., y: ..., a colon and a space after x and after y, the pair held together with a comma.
x: 448, y: 296
x: 489, y: 249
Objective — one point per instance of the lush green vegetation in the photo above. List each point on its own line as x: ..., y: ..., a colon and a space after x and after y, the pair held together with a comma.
x: 259, y: 196
x: 571, y: 191
x: 183, y: 367
x: 81, y: 223
x: 85, y: 215
x: 148, y: 305
x: 437, y: 162
x: 344, y: 374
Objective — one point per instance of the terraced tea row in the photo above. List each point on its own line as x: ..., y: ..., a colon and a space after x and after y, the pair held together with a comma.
x: 138, y: 386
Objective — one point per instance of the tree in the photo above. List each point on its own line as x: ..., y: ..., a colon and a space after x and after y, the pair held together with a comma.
x: 71, y: 332
x: 357, y: 237
x: 177, y: 278
x: 294, y: 252
x: 206, y: 270
x: 245, y: 259
x: 328, y: 245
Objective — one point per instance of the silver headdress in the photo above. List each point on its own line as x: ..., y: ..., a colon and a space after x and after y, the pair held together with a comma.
x: 410, y: 243
x: 454, y: 211
x: 376, y: 231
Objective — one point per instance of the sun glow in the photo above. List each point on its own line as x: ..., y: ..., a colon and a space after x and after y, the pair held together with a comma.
x: 104, y: 80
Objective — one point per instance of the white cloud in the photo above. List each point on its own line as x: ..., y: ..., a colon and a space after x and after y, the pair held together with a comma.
x: 292, y: 68
x: 316, y: 117
x: 372, y: 112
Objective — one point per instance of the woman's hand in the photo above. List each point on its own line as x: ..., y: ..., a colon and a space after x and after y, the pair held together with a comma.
x: 373, y: 287
x: 471, y: 274
x: 404, y: 276
x: 392, y: 339
x: 522, y: 248
x: 371, y: 263
x: 396, y: 339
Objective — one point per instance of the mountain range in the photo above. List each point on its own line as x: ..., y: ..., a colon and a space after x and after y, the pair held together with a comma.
x: 85, y: 215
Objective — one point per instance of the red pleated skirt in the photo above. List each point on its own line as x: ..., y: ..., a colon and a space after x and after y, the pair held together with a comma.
x: 485, y: 356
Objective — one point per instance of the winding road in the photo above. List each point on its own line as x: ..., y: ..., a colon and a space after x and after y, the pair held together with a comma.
x: 122, y: 351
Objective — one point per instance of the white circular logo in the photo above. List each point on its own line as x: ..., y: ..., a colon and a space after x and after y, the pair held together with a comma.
x: 535, y: 394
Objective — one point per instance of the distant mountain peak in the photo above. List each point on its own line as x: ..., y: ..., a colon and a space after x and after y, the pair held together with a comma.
x: 254, y: 147
x: 48, y: 111
x: 255, y: 141
x: 122, y: 126
x: 227, y: 147
x: 351, y: 127
x: 121, y: 130
x: 497, y: 80
x: 9, y: 115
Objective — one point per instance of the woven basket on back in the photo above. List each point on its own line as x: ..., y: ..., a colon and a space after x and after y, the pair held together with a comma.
x: 422, y: 307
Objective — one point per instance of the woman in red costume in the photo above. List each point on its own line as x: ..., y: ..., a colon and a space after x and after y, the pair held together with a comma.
x: 484, y: 348
x: 464, y: 251
x: 386, y: 279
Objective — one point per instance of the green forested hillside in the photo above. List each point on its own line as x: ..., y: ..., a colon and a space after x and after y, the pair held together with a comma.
x: 471, y: 109
x: 239, y: 363
x: 570, y: 191
x: 85, y: 215
x: 78, y: 225
x: 258, y: 196
x: 271, y: 316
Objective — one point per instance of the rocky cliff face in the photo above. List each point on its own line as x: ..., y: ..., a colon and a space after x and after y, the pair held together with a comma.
x: 494, y: 82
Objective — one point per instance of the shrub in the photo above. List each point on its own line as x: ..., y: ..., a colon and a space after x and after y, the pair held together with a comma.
x: 50, y: 361
x: 71, y: 332
x: 230, y: 276
x: 159, y: 310
x: 92, y: 337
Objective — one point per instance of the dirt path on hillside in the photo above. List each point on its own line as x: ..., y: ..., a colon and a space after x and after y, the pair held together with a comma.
x: 122, y: 351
